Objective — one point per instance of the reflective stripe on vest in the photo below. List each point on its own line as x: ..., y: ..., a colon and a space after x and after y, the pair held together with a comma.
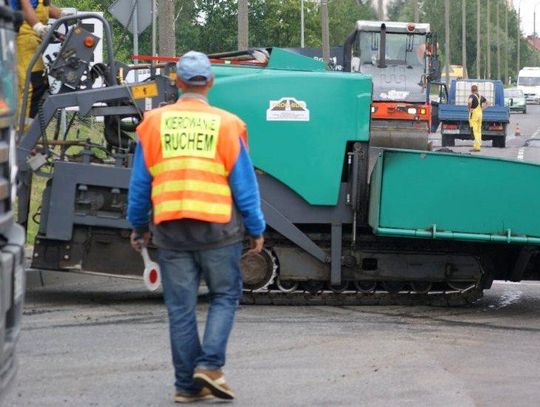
x: 188, y: 162
x: 186, y: 151
x: 191, y: 187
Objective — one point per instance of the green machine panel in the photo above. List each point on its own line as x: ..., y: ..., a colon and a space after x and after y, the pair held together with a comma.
x: 299, y: 119
x: 451, y: 196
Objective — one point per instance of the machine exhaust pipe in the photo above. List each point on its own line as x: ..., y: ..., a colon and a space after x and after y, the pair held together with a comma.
x: 382, y: 47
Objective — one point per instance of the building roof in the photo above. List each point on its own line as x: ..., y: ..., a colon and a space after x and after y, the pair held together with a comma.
x: 534, y: 42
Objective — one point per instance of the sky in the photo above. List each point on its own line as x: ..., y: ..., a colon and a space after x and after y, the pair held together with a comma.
x: 527, y: 15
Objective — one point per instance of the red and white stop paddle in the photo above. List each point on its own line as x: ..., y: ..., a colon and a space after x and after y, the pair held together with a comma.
x: 152, y: 274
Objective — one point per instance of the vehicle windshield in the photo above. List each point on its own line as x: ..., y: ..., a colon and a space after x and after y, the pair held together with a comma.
x: 401, y: 49
x: 529, y: 81
x: 513, y: 93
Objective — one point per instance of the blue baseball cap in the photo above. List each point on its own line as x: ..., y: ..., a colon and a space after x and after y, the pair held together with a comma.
x: 192, y: 67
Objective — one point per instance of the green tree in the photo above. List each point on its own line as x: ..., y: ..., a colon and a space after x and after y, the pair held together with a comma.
x: 343, y: 15
x: 276, y: 23
x: 216, y: 25
x: 433, y: 12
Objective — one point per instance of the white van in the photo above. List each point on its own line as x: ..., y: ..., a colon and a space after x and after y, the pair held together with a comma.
x: 529, y: 82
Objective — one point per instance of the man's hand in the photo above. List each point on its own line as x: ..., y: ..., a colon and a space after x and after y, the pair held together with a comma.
x: 256, y: 245
x: 138, y: 241
x: 41, y: 29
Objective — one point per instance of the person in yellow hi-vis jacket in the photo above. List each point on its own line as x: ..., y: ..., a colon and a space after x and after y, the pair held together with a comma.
x: 476, y: 105
x: 33, y: 29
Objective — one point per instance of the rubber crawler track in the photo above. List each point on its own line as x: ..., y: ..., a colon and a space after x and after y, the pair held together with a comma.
x: 440, y: 299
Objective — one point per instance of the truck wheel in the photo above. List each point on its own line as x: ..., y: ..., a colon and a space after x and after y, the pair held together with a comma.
x: 448, y: 141
x: 499, y: 142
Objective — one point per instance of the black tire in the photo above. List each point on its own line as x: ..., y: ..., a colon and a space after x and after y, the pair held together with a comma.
x: 448, y: 141
x: 525, y: 111
x: 499, y: 142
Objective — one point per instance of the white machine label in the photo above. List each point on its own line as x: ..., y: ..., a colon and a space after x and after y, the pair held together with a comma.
x: 394, y: 95
x: 287, y: 109
x: 147, y: 104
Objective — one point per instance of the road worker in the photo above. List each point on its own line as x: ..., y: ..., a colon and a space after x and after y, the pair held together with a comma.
x: 476, y: 105
x: 192, y: 164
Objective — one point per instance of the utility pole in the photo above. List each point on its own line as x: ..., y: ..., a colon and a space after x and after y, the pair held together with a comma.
x: 302, y: 42
x: 447, y: 39
x: 506, y: 56
x: 478, y: 48
x: 488, y: 39
x: 154, y: 29
x: 464, y: 37
x: 534, y: 21
x: 380, y: 9
x: 325, y: 31
x: 167, y: 34
x: 416, y: 11
x: 497, y: 39
x: 243, y: 24
x: 518, y: 39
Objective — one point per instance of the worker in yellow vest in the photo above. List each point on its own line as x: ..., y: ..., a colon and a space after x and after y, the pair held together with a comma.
x: 192, y: 170
x: 476, y: 105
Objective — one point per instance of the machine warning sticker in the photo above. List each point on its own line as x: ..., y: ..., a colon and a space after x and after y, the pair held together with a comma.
x: 287, y: 109
x: 192, y: 134
x: 144, y: 91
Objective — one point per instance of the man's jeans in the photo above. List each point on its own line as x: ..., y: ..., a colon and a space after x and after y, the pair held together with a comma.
x: 181, y: 272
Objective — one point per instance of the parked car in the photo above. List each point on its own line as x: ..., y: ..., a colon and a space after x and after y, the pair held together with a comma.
x: 514, y: 99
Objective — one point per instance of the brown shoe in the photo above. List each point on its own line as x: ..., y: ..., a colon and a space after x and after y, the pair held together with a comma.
x: 214, y: 380
x: 185, y: 397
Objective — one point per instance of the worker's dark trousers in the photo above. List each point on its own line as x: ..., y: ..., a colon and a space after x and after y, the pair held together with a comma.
x: 181, y: 273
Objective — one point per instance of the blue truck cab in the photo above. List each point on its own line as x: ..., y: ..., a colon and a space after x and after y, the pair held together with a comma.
x: 454, y: 115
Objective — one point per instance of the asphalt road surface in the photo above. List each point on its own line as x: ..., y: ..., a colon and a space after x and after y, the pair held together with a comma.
x: 96, y: 341
x: 103, y: 342
x: 525, y: 146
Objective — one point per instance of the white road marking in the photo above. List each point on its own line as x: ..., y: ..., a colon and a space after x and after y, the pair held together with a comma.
x: 535, y: 283
x: 536, y: 133
x: 521, y: 153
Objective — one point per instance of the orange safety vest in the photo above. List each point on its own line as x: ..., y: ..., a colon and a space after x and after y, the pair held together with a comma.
x: 190, y: 148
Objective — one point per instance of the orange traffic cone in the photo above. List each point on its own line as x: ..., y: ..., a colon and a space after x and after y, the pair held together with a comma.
x: 517, y: 132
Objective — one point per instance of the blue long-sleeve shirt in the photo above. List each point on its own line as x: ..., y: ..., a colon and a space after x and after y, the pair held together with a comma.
x: 140, y: 192
x: 242, y: 181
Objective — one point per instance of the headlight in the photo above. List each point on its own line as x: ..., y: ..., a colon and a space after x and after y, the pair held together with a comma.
x: 411, y: 110
x: 373, y: 109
